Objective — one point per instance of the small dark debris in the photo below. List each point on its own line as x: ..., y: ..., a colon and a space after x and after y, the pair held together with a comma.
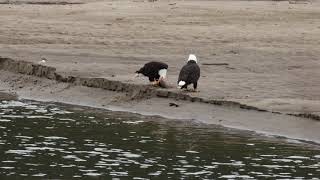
x: 119, y: 19
x: 234, y: 52
x: 172, y: 4
x: 294, y: 67
x: 215, y: 64
x: 173, y: 104
x: 230, y: 68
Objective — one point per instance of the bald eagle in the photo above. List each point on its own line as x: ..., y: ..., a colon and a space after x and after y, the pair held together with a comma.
x: 155, y: 71
x: 189, y: 74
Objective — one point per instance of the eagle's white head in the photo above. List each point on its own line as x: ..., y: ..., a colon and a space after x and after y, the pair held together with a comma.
x: 192, y: 57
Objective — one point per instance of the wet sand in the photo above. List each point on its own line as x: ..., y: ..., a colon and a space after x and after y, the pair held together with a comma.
x: 260, y: 53
x: 267, y: 123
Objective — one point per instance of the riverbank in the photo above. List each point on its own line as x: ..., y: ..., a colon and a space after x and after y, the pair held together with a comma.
x: 257, y: 64
x: 260, y: 53
x: 44, y: 84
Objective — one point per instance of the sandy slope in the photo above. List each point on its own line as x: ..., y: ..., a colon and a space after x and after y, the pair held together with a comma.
x: 272, y: 48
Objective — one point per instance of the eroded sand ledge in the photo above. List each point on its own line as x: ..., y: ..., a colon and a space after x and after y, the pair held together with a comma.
x: 39, y: 82
x: 133, y: 91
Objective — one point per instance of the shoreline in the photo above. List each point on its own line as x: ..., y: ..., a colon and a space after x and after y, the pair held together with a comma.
x: 42, y: 83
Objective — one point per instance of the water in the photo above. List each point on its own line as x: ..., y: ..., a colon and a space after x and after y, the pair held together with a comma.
x: 41, y: 140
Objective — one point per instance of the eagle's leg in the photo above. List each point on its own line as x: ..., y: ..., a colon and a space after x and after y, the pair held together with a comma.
x: 155, y: 82
x: 184, y: 87
x: 195, y: 85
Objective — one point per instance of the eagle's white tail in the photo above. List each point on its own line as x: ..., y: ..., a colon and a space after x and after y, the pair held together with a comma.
x: 181, y: 83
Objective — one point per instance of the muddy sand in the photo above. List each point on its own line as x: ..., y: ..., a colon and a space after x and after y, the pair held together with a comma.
x: 263, y: 54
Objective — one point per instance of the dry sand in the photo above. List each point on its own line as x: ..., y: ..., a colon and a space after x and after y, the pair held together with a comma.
x: 272, y: 48
x: 262, y: 53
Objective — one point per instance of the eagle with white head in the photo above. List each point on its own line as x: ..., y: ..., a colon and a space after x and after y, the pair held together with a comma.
x: 189, y: 74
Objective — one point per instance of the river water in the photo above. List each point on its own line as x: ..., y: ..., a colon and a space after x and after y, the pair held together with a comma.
x: 44, y: 140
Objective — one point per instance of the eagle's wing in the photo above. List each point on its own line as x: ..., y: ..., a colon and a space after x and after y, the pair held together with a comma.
x: 184, y: 73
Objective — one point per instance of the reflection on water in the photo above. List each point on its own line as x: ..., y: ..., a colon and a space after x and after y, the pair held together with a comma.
x: 57, y: 141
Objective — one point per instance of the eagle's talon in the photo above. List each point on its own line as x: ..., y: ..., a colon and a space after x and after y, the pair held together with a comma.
x: 155, y: 83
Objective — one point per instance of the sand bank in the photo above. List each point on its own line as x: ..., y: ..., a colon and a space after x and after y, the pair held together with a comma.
x: 38, y: 82
x: 258, y: 57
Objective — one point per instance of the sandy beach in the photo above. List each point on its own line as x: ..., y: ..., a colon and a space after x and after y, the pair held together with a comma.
x: 259, y: 53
